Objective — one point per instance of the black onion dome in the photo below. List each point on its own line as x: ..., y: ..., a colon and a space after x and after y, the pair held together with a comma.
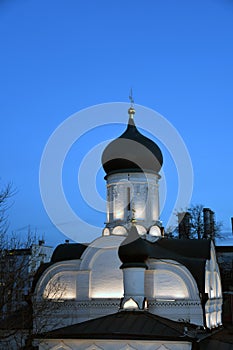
x: 132, y: 151
x: 133, y: 251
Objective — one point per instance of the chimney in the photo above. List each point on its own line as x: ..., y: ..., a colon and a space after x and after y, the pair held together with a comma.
x: 208, y: 217
x: 184, y: 219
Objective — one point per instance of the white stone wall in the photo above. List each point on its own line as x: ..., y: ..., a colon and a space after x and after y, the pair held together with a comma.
x: 172, y: 292
x: 213, y: 307
x: 74, y: 291
x: 170, y: 280
x: 93, y: 344
x: 94, y: 287
x: 132, y: 195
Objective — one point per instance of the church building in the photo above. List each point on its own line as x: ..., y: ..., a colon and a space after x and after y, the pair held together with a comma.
x: 131, y: 288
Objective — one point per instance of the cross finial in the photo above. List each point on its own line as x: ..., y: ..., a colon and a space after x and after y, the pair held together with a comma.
x: 131, y: 97
x: 131, y: 110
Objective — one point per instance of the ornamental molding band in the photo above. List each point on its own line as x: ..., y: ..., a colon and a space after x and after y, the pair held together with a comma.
x: 128, y: 347
x: 94, y: 347
x: 162, y: 347
x: 174, y: 303
x: 77, y: 305
x: 61, y: 346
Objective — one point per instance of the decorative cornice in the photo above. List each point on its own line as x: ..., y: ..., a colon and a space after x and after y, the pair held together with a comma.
x: 173, y: 303
x: 115, y: 303
x: 85, y: 304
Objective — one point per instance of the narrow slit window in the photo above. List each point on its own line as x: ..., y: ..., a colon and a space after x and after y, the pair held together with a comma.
x: 128, y: 199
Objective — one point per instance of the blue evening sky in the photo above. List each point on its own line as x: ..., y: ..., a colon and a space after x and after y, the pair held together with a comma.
x: 61, y: 56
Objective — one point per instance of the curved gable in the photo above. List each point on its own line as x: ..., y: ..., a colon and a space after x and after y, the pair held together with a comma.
x: 170, y: 280
x: 58, y: 281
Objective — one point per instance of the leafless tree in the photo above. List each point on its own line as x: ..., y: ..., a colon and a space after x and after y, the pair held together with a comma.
x: 6, y: 192
x: 16, y: 277
x: 197, y: 222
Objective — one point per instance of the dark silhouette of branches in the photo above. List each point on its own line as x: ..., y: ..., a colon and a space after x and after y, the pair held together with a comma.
x: 197, y: 222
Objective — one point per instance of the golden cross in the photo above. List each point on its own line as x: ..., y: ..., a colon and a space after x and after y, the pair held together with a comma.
x: 131, y: 97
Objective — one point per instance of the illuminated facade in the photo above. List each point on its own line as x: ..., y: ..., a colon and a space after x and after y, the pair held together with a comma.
x: 131, y: 267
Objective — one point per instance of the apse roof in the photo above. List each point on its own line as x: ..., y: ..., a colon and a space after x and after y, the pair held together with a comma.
x: 68, y: 251
x: 189, y: 248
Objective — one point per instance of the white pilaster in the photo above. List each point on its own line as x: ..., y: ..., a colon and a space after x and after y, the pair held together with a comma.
x: 134, y: 289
